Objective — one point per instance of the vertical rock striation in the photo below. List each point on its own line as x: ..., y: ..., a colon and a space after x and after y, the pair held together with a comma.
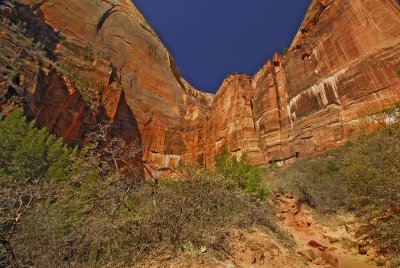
x: 106, y: 48
x: 340, y: 67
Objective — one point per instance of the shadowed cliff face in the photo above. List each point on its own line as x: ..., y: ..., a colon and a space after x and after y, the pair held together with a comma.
x: 341, y: 66
x: 116, y: 58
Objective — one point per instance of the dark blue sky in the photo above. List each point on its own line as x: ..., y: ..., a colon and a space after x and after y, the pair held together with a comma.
x: 211, y: 38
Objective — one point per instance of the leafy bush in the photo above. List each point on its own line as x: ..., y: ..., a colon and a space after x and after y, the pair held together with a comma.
x: 241, y: 174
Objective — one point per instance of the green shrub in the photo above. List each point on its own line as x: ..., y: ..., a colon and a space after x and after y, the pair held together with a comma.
x: 80, y: 208
x: 380, y: 261
x: 372, y: 172
x: 12, y: 75
x: 30, y: 159
x: 242, y: 175
x: 363, y: 177
x: 318, y: 183
x: 395, y: 262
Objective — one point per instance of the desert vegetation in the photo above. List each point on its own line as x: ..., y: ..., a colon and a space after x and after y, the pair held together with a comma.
x: 363, y: 178
x: 89, y: 206
x: 22, y: 52
x: 240, y: 174
x: 92, y: 206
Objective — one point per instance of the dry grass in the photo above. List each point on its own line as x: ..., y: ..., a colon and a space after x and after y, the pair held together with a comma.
x: 363, y: 177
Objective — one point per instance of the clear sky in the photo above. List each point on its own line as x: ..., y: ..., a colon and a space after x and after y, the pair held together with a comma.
x: 211, y: 38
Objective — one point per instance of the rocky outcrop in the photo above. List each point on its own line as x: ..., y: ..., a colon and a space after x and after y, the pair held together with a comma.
x: 113, y: 40
x: 110, y: 65
x: 341, y: 67
x: 231, y: 122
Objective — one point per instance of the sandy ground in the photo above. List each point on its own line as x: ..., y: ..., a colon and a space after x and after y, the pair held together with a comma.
x: 321, y: 245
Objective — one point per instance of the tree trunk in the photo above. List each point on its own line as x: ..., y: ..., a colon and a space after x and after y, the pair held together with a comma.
x: 10, y: 251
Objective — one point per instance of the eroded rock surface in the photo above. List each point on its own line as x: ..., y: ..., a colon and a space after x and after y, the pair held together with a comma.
x: 341, y: 66
x: 106, y: 48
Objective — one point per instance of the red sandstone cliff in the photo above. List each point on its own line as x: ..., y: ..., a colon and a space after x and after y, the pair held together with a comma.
x: 110, y: 51
x: 342, y: 65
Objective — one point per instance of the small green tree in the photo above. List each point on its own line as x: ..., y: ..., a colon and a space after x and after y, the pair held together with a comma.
x: 29, y: 158
x: 241, y: 174
x: 27, y: 152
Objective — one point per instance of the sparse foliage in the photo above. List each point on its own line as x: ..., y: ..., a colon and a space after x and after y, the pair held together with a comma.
x: 18, y: 53
x: 363, y: 177
x: 383, y: 118
x: 240, y: 174
x: 89, y: 207
x: 29, y: 158
x: 196, y: 211
x: 90, y: 92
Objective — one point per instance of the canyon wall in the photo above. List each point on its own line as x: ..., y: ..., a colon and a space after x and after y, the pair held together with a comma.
x: 110, y: 65
x: 340, y: 67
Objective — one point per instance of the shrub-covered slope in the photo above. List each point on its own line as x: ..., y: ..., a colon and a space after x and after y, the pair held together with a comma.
x: 362, y: 177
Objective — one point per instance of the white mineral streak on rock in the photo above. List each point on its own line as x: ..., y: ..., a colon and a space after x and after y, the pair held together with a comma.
x: 319, y: 89
x: 166, y: 159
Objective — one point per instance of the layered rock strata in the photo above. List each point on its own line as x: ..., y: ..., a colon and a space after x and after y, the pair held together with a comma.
x: 340, y: 67
x: 109, y: 59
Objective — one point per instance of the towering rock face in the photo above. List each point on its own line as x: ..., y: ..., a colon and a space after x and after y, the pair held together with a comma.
x: 341, y: 66
x: 110, y: 41
x: 231, y: 123
x: 113, y: 60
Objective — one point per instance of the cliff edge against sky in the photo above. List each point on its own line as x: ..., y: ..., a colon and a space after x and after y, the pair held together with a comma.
x: 340, y: 67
